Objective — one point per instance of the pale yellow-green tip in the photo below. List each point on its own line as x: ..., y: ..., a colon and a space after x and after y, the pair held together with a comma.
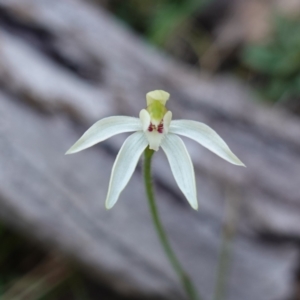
x: 158, y: 95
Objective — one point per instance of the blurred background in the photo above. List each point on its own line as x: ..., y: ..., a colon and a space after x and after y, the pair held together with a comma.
x: 232, y: 64
x: 256, y: 41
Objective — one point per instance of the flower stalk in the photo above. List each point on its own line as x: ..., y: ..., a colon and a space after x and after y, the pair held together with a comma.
x: 184, y: 278
x: 155, y: 129
x: 229, y: 231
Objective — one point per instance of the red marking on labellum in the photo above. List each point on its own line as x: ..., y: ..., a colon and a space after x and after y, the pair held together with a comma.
x: 159, y: 128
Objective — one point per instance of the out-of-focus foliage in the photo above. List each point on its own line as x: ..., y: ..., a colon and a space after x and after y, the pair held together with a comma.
x: 179, y: 28
x: 165, y: 23
x: 157, y: 19
x: 277, y: 60
x: 19, y: 261
x: 29, y: 272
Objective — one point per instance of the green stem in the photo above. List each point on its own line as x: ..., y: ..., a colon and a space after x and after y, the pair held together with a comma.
x: 184, y: 278
x: 223, y: 266
x: 226, y: 246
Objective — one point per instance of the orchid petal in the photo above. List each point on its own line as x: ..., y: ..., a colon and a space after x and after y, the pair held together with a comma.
x: 124, y: 166
x: 167, y: 121
x: 145, y: 119
x: 181, y: 166
x: 205, y: 136
x: 104, y: 129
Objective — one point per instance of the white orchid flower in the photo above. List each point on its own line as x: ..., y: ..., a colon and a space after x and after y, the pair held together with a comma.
x: 154, y: 128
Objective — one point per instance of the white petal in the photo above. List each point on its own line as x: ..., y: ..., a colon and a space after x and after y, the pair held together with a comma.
x: 145, y: 119
x: 159, y: 95
x: 205, y: 136
x: 167, y: 121
x: 181, y: 166
x: 124, y: 166
x: 105, y: 129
